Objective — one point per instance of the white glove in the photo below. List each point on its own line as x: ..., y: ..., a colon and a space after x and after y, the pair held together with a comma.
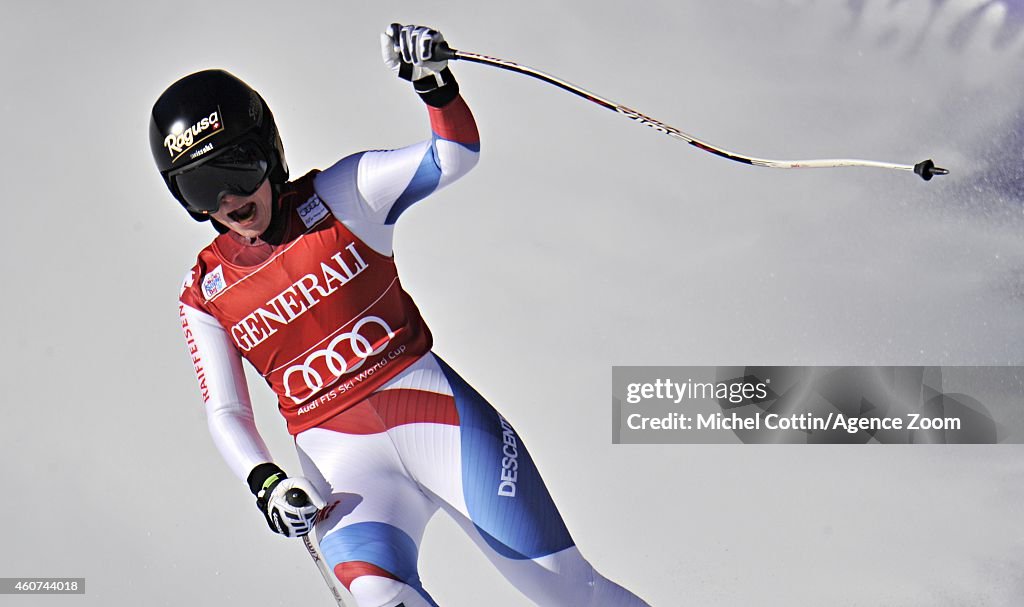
x: 411, y: 53
x: 290, y: 505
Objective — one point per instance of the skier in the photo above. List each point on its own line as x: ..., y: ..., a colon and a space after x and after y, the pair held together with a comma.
x: 301, y: 282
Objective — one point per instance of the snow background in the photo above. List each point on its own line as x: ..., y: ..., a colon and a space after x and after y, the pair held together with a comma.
x: 582, y: 241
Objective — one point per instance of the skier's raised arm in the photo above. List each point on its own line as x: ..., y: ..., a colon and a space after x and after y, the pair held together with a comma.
x: 375, y: 187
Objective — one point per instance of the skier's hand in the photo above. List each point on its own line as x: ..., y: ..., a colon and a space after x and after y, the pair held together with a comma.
x: 411, y: 53
x: 290, y: 505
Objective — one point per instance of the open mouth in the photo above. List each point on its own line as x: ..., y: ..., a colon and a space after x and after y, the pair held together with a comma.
x: 243, y: 213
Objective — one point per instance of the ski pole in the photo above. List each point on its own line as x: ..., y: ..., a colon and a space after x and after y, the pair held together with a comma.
x: 298, y: 497
x: 926, y: 169
x: 315, y: 555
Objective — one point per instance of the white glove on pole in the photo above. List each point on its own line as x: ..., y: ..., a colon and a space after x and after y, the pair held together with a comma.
x: 290, y: 505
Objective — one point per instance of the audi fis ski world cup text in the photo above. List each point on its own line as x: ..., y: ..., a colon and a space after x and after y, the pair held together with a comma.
x: 335, y: 392
x: 337, y: 364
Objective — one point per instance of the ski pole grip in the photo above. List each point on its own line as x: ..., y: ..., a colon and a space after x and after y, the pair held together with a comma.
x: 443, y: 52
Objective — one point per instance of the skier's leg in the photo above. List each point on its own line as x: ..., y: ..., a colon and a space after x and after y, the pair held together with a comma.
x: 476, y: 466
x: 561, y: 578
x: 371, y: 528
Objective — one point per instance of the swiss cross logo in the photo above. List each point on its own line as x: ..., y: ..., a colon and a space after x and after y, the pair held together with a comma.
x: 189, y: 281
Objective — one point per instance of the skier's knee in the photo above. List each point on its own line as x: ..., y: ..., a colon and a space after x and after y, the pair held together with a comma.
x: 370, y: 585
x: 375, y: 561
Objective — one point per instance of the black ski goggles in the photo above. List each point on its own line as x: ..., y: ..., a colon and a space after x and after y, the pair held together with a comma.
x: 240, y: 169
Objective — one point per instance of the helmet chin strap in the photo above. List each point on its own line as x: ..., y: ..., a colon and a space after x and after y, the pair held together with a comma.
x: 274, y: 234
x: 221, y: 228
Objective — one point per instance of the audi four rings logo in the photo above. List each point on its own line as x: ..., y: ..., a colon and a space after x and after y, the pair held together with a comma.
x: 336, y: 363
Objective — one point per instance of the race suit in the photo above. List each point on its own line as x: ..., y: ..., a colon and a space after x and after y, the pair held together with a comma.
x: 386, y: 431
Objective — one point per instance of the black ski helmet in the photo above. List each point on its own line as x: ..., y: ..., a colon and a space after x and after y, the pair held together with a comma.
x: 201, y: 117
